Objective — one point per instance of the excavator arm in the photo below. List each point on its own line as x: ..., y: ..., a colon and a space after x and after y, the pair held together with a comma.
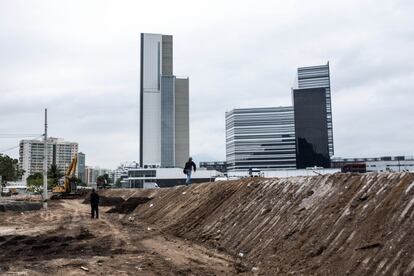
x: 70, y: 172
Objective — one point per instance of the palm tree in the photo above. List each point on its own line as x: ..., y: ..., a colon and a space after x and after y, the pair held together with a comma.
x: 54, y: 174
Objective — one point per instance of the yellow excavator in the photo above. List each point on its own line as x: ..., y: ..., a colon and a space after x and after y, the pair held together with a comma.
x: 67, y: 187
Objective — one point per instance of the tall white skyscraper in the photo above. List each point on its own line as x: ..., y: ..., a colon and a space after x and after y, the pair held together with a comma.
x: 164, y: 105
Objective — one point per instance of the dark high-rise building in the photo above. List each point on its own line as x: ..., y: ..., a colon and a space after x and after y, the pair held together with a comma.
x: 311, y: 132
x: 319, y: 77
x: 285, y: 137
x: 313, y: 117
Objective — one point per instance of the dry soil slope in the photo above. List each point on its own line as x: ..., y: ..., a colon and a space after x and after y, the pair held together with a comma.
x: 339, y: 224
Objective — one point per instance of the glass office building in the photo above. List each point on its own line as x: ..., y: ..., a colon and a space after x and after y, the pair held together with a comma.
x: 319, y: 77
x: 262, y: 138
x: 295, y: 137
x: 311, y: 132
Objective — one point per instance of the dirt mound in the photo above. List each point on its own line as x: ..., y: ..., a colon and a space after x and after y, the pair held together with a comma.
x: 342, y: 224
x: 47, y: 245
x: 106, y: 200
x: 19, y: 206
x: 129, y: 205
x: 359, y: 224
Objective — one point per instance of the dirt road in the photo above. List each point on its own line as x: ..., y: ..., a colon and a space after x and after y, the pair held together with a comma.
x: 342, y: 224
x: 64, y: 241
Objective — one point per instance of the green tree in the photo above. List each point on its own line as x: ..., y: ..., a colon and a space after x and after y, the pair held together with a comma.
x: 54, y: 174
x: 103, y: 181
x: 107, y: 179
x: 118, y: 183
x: 9, y: 169
x: 100, y: 182
x: 78, y: 181
x: 35, y: 182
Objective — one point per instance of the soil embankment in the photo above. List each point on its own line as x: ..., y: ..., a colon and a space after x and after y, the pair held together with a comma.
x: 342, y: 224
x: 333, y: 225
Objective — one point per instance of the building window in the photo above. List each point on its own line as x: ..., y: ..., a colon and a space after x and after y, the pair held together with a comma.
x: 142, y: 173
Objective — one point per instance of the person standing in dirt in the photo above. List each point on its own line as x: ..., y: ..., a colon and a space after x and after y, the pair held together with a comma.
x: 94, y: 204
x: 188, y: 168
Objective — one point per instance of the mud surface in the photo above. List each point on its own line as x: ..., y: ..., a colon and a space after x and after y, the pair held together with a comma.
x: 19, y: 206
x: 129, y: 205
x: 106, y: 200
x: 64, y: 241
x: 343, y: 224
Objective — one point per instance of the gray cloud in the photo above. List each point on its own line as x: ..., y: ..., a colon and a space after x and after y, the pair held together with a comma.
x: 81, y: 60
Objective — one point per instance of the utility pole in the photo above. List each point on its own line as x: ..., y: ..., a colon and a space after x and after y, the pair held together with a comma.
x: 45, y: 164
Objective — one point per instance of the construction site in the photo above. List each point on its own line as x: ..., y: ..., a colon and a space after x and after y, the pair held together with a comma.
x: 339, y: 224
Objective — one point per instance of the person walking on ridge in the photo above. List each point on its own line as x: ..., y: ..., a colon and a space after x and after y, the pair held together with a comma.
x: 188, y: 168
x: 94, y: 204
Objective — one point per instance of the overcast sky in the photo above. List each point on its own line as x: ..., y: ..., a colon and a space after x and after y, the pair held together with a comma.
x: 80, y: 59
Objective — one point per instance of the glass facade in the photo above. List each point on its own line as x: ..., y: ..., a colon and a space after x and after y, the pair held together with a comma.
x: 319, y: 77
x: 261, y: 138
x: 311, y: 129
x: 167, y: 121
x: 142, y: 173
x: 81, y: 167
x: 182, y: 121
x: 285, y: 137
x: 220, y: 166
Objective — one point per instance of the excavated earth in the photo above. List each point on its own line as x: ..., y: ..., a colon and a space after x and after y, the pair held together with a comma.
x: 19, y: 206
x: 341, y: 224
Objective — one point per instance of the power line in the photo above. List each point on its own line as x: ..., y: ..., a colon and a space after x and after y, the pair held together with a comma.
x: 18, y: 135
x: 37, y: 136
x: 8, y: 149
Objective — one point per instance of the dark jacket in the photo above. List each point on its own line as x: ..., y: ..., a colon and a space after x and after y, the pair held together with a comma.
x: 189, y: 165
x: 94, y: 199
